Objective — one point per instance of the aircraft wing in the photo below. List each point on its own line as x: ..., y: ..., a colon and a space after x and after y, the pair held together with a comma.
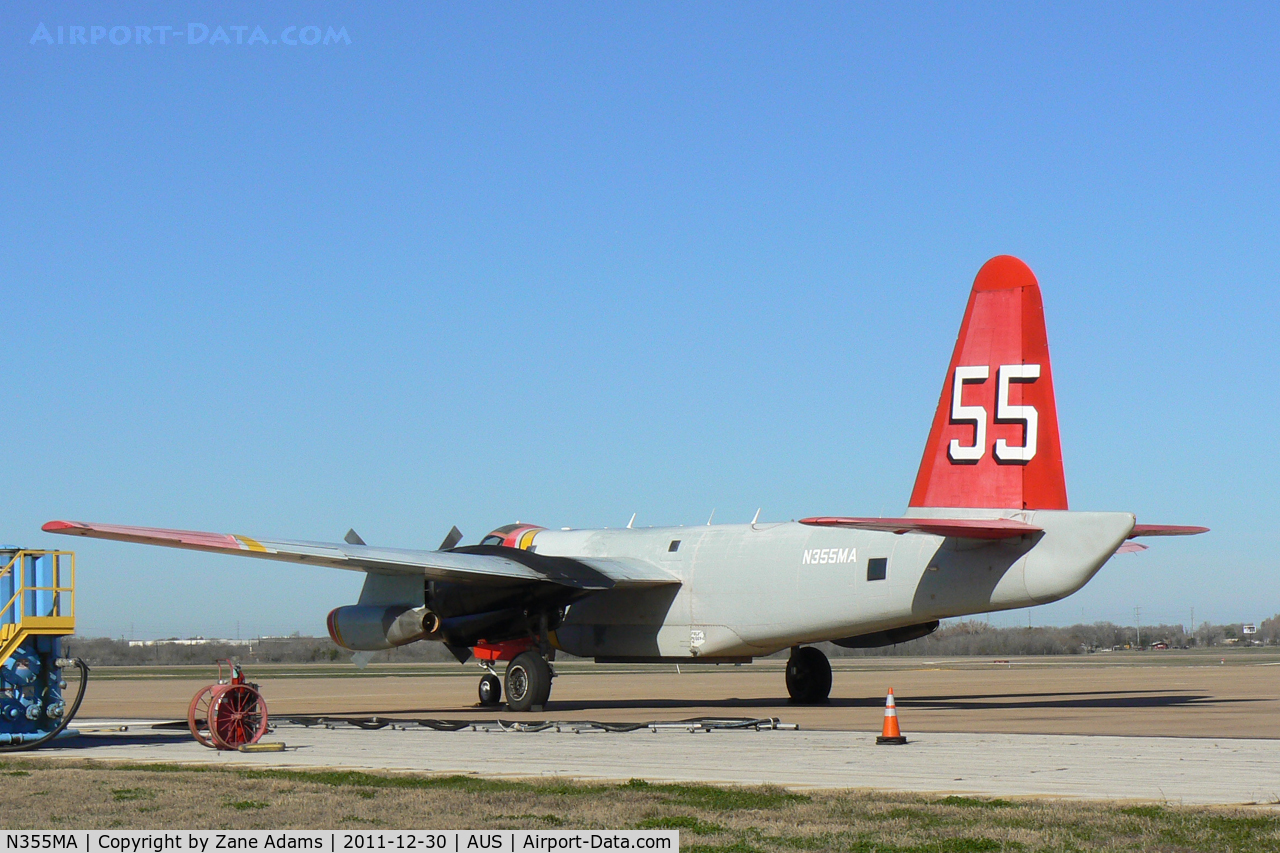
x: 481, y: 564
x: 965, y: 528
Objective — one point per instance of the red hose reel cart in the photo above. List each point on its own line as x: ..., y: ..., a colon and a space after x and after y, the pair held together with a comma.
x: 229, y: 714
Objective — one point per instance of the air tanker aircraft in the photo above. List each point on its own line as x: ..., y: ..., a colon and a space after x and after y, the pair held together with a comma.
x: 987, y: 528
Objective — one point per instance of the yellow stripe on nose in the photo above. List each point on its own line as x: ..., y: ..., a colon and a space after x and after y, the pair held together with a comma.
x: 527, y: 539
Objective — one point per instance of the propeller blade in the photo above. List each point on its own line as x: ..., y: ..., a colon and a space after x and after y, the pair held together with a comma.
x: 462, y: 653
x: 454, y: 537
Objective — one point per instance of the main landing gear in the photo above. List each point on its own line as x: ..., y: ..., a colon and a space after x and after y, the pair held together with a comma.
x: 808, y: 676
x: 528, y: 681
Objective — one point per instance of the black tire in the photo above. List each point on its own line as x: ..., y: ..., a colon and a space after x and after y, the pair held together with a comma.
x: 490, y: 690
x: 808, y: 676
x: 528, y: 681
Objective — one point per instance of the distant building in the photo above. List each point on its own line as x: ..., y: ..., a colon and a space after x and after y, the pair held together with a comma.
x: 194, y: 641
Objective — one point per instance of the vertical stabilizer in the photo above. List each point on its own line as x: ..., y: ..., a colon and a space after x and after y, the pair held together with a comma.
x: 994, y: 441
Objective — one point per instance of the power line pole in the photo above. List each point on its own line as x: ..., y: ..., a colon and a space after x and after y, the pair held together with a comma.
x: 1137, y: 618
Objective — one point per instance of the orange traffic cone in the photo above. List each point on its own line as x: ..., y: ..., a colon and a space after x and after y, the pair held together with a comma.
x: 891, y: 734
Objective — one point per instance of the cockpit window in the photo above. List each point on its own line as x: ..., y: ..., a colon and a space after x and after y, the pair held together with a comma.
x: 491, y: 540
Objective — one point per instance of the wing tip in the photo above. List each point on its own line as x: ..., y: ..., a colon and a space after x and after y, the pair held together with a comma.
x: 61, y: 526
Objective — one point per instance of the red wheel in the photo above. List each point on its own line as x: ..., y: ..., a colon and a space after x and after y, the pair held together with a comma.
x: 198, y: 716
x: 237, y: 716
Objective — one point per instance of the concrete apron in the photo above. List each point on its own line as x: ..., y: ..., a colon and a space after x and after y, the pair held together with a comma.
x: 1173, y: 770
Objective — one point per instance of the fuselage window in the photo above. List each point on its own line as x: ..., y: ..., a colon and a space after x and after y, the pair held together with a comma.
x: 877, y: 568
x: 491, y: 540
x: 674, y: 546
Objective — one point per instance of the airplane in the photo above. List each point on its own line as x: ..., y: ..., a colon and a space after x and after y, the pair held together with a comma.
x: 986, y: 528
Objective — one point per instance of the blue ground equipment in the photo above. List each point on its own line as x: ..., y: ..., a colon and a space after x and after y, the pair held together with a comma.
x: 37, y: 591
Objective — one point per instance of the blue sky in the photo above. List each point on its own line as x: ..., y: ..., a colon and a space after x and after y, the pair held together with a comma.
x: 563, y: 263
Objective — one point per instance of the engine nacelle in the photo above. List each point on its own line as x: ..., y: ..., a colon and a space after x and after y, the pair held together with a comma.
x: 374, y: 627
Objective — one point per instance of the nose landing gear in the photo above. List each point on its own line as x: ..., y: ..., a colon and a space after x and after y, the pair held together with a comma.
x: 490, y: 688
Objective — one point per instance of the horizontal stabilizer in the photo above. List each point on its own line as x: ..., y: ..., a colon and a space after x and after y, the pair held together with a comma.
x: 1130, y: 547
x: 963, y: 528
x: 1165, y: 530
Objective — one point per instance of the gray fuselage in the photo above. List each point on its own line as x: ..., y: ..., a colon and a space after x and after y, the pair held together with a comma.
x: 748, y: 590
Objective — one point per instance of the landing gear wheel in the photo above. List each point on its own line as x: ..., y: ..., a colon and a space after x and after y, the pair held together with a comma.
x: 808, y: 676
x: 490, y: 689
x: 528, y: 681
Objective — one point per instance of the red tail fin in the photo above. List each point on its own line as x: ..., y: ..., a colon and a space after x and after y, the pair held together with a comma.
x: 994, y: 441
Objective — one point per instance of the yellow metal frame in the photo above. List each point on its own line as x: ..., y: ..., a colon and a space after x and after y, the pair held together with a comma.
x: 15, y: 623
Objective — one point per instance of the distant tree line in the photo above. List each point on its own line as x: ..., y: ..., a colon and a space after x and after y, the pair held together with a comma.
x: 104, y: 651
x: 977, y: 637
x: 956, y: 638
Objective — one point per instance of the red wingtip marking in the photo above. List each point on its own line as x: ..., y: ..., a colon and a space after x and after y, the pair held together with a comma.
x: 59, y: 526
x: 147, y: 535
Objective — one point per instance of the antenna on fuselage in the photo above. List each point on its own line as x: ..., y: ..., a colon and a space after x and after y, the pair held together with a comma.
x: 756, y: 518
x: 632, y: 521
x: 713, y: 515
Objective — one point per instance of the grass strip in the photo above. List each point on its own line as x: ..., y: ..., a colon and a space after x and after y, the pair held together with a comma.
x: 711, y: 819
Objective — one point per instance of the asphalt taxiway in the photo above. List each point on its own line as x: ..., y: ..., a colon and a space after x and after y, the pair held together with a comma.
x: 1138, y: 695
x: 1194, y: 729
